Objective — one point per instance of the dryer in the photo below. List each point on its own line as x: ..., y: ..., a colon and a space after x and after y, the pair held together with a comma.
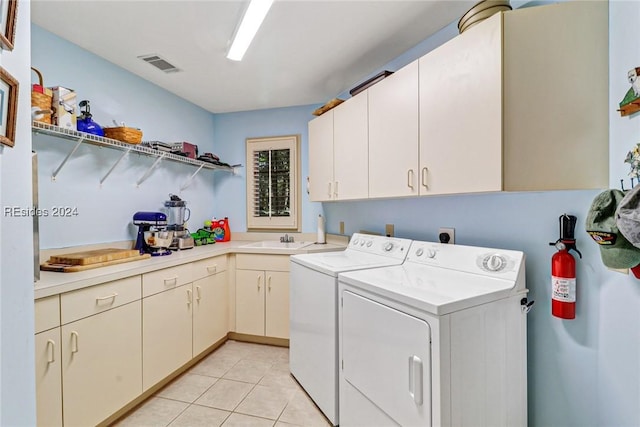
x: 437, y: 341
x: 313, y: 328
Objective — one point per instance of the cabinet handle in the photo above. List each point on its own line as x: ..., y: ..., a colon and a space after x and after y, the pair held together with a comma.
x: 335, y: 190
x: 213, y: 269
x: 415, y: 379
x: 259, y: 277
x: 329, y: 192
x: 410, y: 178
x: 198, y: 296
x: 171, y: 281
x: 51, y: 351
x: 112, y: 296
x: 269, y: 282
x: 74, y: 342
x: 424, y: 177
x: 189, y: 296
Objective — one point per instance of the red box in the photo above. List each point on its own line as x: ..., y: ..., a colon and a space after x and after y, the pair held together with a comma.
x: 187, y: 147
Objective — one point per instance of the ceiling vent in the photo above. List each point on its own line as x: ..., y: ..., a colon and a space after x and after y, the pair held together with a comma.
x: 160, y: 63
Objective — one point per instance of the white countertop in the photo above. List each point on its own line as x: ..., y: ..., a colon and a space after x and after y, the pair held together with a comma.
x: 53, y: 283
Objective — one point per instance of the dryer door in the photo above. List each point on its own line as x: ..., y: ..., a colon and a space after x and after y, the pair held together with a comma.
x: 387, y: 358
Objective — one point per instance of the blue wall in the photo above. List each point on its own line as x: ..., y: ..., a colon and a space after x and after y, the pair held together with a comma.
x: 105, y: 212
x: 231, y: 130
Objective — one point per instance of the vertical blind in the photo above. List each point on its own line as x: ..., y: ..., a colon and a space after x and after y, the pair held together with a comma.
x: 272, y: 185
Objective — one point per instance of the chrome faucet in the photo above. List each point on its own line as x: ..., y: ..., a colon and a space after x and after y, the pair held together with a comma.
x: 286, y: 239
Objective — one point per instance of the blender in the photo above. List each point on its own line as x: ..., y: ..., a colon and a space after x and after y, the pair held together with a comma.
x: 153, y: 237
x: 178, y: 215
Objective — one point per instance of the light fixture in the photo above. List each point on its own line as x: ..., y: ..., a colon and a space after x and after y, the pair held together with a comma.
x: 251, y: 21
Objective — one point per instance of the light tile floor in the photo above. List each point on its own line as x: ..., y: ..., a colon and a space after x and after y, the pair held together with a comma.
x: 239, y: 384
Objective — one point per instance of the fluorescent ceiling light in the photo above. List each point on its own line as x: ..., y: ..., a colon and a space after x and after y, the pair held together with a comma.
x: 251, y: 21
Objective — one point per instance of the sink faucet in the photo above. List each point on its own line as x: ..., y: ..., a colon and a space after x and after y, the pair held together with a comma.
x: 286, y: 239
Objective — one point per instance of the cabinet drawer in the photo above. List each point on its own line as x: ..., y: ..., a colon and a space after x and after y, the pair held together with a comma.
x: 47, y: 313
x: 165, y: 279
x: 209, y: 266
x: 262, y: 262
x: 86, y: 302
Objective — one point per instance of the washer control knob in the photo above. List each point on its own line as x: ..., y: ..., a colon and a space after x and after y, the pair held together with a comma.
x: 419, y: 252
x: 356, y: 241
x: 494, y: 262
x: 431, y: 253
x: 362, y: 242
x: 388, y: 246
x: 369, y: 243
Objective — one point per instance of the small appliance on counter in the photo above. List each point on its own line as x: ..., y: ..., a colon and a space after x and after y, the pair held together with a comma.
x: 178, y: 216
x: 153, y: 237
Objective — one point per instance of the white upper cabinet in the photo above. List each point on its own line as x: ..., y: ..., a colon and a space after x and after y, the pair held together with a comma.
x: 321, y: 158
x: 518, y: 102
x: 351, y: 149
x: 509, y: 104
x: 393, y: 134
x: 556, y: 97
x: 460, y: 113
x: 338, y: 152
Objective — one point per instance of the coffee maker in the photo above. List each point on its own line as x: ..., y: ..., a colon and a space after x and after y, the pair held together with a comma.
x: 178, y: 215
x: 153, y: 237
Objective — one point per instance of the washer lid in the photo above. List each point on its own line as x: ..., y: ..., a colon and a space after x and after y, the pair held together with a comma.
x: 332, y: 263
x: 432, y: 289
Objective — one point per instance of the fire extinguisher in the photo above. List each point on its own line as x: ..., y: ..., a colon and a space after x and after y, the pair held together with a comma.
x: 563, y: 270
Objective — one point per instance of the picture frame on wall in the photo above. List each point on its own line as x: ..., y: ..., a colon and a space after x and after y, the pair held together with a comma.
x: 8, y: 107
x: 9, y: 11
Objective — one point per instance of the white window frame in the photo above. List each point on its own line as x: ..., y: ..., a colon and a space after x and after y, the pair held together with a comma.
x: 275, y: 223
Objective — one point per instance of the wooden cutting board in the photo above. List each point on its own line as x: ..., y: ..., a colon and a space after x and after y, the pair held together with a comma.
x: 71, y: 268
x: 93, y: 257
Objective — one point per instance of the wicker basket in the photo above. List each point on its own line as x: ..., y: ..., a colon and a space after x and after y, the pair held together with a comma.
x: 124, y: 134
x: 42, y: 101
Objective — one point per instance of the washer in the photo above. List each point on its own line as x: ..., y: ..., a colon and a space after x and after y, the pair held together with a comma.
x: 437, y: 341
x: 313, y: 335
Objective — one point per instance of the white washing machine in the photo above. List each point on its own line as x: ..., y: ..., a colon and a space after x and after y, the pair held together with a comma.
x: 313, y: 335
x: 437, y: 341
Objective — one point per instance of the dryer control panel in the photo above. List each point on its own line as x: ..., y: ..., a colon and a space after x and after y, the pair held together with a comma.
x: 380, y: 245
x: 471, y: 259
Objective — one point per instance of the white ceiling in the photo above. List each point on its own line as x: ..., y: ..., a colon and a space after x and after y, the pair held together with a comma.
x: 306, y: 51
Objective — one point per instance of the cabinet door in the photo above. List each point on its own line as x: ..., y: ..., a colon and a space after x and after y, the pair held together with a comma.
x: 250, y: 302
x: 351, y: 149
x: 48, y: 378
x: 393, y: 134
x: 101, y: 364
x: 277, y: 304
x: 166, y: 333
x: 461, y: 113
x: 210, y: 311
x: 321, y: 158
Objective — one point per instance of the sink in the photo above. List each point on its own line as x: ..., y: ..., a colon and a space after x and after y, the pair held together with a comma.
x: 274, y: 244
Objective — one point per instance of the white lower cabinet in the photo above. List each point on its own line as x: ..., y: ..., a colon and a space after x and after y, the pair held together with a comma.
x: 48, y: 362
x: 101, y: 364
x: 262, y: 296
x: 211, y: 302
x: 210, y: 311
x: 48, y: 378
x: 166, y: 333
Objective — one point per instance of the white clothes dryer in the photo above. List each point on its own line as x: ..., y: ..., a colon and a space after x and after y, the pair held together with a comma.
x: 313, y: 334
x: 437, y: 341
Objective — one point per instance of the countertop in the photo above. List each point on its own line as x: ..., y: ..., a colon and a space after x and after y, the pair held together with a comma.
x: 53, y: 283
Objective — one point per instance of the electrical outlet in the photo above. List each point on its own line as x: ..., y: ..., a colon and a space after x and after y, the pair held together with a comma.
x: 341, y: 227
x: 446, y: 235
x: 388, y: 230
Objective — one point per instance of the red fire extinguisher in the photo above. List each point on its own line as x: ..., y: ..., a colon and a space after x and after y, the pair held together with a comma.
x: 563, y: 270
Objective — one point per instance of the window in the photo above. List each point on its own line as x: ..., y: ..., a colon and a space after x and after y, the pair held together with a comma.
x: 273, y: 189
